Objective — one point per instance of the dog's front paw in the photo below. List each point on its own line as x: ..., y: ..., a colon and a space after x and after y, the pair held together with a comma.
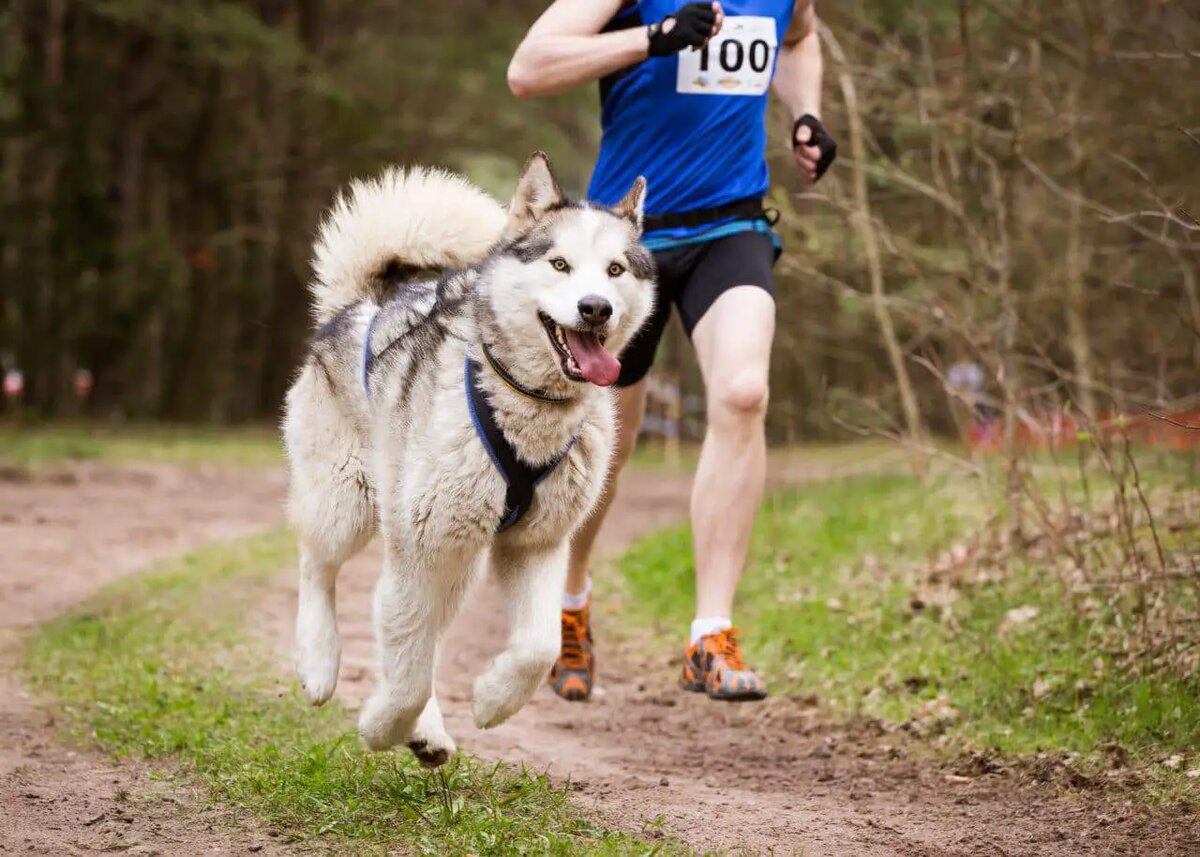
x: 317, y: 667
x: 432, y: 751
x: 429, y: 742
x: 508, y: 684
x: 491, y: 706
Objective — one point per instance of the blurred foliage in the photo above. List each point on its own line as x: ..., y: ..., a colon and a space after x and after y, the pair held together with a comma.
x: 1031, y: 168
x: 163, y: 166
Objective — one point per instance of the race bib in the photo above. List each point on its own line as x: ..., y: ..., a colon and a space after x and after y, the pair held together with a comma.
x: 738, y: 61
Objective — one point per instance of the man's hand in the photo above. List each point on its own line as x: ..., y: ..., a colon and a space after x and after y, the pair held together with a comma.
x: 691, y: 27
x: 813, y: 147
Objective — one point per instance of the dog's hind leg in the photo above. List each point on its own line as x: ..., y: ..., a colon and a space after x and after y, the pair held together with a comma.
x: 533, y: 585
x: 332, y: 510
x: 414, y: 603
x: 318, y: 643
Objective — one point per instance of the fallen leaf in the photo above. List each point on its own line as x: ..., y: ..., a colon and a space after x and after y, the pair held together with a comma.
x: 1041, y: 687
x: 1017, y: 617
x: 933, y: 716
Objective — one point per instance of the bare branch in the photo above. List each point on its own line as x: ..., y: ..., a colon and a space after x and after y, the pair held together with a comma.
x: 1173, y: 422
x: 1169, y: 216
x: 1098, y: 208
x: 1013, y: 19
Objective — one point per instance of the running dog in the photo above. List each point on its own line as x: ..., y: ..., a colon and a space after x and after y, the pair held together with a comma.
x: 454, y: 400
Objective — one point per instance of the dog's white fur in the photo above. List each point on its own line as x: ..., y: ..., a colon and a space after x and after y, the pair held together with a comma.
x: 407, y: 462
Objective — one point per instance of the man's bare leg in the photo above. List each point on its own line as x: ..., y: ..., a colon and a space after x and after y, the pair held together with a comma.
x: 631, y: 405
x: 575, y: 670
x: 733, y: 346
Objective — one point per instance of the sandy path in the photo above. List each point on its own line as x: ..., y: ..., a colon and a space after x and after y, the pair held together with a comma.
x: 63, y: 536
x: 755, y: 776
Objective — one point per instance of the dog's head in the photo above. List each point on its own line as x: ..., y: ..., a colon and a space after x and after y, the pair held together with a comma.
x: 575, y: 274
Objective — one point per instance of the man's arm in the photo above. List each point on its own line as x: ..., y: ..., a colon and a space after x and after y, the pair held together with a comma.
x: 800, y: 69
x: 798, y: 79
x: 565, y: 48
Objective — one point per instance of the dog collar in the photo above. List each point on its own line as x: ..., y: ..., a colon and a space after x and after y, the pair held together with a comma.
x: 516, y: 386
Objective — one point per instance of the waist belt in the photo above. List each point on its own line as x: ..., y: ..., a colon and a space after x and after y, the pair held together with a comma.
x: 750, y: 208
x: 520, y: 477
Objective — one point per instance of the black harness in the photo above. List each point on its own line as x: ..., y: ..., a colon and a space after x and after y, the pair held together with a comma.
x: 521, y: 478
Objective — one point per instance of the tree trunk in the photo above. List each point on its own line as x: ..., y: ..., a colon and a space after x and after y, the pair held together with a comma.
x: 1077, y: 253
x: 42, y: 25
x: 136, y: 85
x: 289, y: 313
x: 1003, y: 195
x: 1076, y: 310
x: 864, y: 226
x: 269, y: 151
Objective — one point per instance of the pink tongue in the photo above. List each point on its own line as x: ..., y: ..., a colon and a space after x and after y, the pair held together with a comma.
x: 595, y: 364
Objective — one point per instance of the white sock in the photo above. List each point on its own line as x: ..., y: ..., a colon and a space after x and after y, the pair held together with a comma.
x: 578, y: 602
x: 710, y: 625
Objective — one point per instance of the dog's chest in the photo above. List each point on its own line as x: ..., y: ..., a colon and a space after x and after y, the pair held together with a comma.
x: 460, y: 496
x: 559, y: 501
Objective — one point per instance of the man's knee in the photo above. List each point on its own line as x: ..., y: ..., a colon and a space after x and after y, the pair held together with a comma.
x: 741, y: 397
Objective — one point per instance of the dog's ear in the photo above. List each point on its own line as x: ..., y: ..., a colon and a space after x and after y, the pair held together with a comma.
x: 631, y: 203
x: 537, y: 192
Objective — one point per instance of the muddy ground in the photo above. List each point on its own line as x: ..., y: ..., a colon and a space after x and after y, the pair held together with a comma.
x: 753, y: 776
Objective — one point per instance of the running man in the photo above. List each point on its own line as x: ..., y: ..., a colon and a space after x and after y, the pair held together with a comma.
x: 683, y: 94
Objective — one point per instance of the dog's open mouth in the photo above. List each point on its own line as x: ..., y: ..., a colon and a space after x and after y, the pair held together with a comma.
x: 581, y: 353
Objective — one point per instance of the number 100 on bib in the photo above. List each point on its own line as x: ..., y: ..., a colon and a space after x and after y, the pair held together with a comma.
x: 738, y: 61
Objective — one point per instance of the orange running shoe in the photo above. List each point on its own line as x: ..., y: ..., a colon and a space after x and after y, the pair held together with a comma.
x: 575, y: 669
x: 714, y: 665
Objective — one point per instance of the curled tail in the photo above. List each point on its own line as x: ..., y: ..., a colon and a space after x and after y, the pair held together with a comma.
x: 402, y: 222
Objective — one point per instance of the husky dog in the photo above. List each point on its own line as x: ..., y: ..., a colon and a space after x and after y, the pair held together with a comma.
x: 432, y: 304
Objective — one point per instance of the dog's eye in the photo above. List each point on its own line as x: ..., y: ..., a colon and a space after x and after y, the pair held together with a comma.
x: 616, y: 269
x: 560, y: 264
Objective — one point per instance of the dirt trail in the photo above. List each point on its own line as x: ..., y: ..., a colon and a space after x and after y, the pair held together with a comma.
x: 759, y: 777
x: 63, y: 535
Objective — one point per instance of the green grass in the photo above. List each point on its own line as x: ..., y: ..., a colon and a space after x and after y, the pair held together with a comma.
x: 157, y: 667
x: 35, y: 445
x: 827, y: 602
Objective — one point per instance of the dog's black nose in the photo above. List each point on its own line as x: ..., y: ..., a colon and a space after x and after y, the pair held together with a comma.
x: 594, y: 309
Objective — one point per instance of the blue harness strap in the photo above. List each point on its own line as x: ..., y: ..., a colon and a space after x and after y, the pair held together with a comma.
x: 364, y: 364
x: 521, y: 478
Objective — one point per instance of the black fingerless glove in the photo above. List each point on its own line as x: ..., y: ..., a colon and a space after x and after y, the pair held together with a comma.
x: 820, y: 138
x: 693, y: 26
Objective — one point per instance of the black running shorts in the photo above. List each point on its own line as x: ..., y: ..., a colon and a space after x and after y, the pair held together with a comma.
x: 692, y: 277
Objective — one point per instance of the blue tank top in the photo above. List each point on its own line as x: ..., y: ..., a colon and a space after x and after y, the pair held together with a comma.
x: 694, y: 124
